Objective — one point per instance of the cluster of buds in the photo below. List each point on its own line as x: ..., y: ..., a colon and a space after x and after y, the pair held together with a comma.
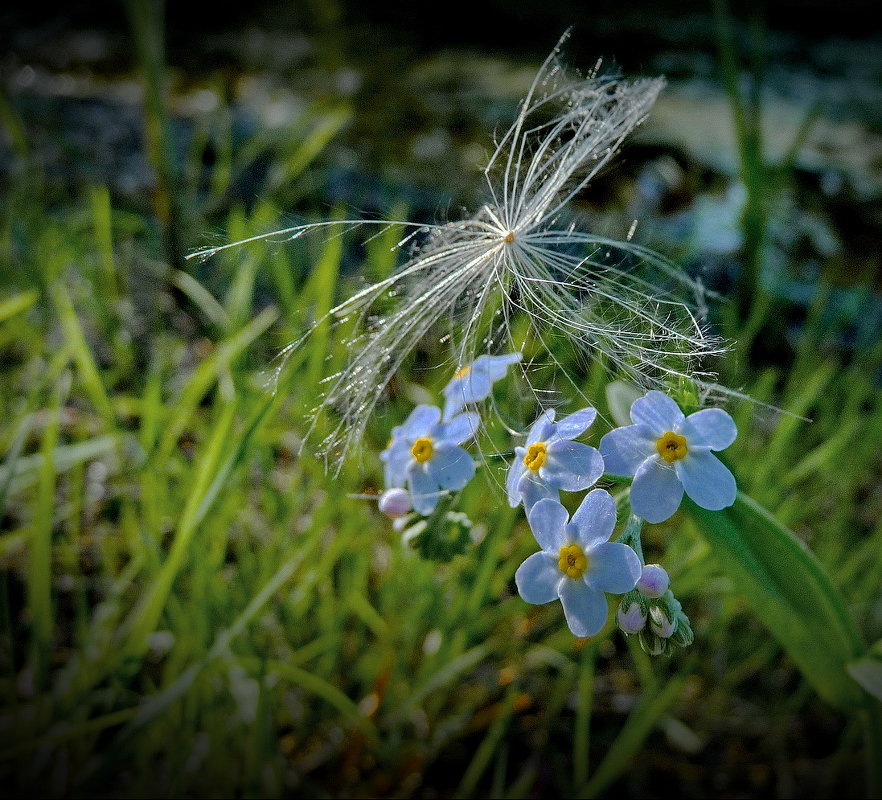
x: 651, y: 611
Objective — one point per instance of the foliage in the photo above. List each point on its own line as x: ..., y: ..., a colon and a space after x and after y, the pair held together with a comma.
x: 189, y: 607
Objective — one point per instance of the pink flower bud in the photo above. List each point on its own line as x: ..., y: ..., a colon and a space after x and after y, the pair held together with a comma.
x: 394, y: 503
x: 653, y: 581
x: 632, y: 619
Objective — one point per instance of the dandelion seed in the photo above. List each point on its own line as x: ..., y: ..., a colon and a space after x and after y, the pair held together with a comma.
x: 521, y: 254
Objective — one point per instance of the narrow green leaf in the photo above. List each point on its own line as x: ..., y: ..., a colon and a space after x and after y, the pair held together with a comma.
x: 86, y: 366
x: 790, y: 592
x: 39, y: 586
x: 650, y: 709
x: 158, y: 704
x: 213, y: 476
x: 867, y: 671
x: 11, y: 306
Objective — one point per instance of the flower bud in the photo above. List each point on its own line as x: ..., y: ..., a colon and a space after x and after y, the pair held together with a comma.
x: 653, y: 581
x: 394, y: 503
x: 660, y: 624
x: 630, y: 617
x: 683, y: 636
x: 652, y: 644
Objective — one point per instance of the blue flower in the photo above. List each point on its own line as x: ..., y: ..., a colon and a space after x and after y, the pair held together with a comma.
x: 552, y: 461
x: 577, y: 563
x: 475, y: 382
x: 425, y: 454
x: 395, y: 460
x: 668, y: 453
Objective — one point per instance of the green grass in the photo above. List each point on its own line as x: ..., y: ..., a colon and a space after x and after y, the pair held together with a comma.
x: 189, y: 607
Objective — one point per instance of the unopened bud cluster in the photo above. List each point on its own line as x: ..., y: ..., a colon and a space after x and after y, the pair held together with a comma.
x: 652, y: 613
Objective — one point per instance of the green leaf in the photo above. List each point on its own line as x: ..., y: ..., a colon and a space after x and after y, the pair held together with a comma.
x: 790, y: 592
x: 867, y: 671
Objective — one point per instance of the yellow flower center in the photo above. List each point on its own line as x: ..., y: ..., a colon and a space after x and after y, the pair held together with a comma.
x: 461, y: 373
x: 671, y: 447
x: 572, y: 562
x: 536, y: 456
x: 422, y: 449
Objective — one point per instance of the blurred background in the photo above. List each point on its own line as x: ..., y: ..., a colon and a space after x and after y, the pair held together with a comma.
x: 188, y: 607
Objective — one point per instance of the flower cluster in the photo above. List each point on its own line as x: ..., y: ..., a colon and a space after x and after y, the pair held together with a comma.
x: 425, y: 454
x: 664, y: 452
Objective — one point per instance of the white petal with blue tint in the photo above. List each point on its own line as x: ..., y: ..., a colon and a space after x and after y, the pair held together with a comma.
x: 537, y: 578
x: 497, y: 366
x: 575, y: 424
x: 707, y: 480
x: 421, y: 419
x: 532, y: 490
x: 450, y: 467
x: 515, y: 473
x: 656, y: 491
x: 396, y: 458
x: 458, y: 429
x: 711, y: 427
x: 571, y: 466
x: 470, y: 388
x: 542, y: 427
x: 658, y: 412
x: 584, y: 607
x: 423, y: 489
x: 548, y: 521
x: 612, y: 567
x: 595, y: 519
x: 625, y: 449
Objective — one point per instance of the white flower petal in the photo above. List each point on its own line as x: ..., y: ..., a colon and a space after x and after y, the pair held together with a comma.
x: 470, y: 388
x: 595, y: 519
x: 584, y: 607
x: 707, y: 480
x: 395, y: 462
x: 710, y: 427
x: 450, y: 467
x: 537, y: 579
x: 532, y: 490
x: 541, y: 428
x: 656, y: 491
x: 458, y: 429
x: 657, y: 411
x: 420, y: 421
x: 423, y: 489
x: 571, y: 466
x: 497, y: 366
x: 625, y: 449
x: 575, y: 424
x: 612, y: 567
x: 515, y: 473
x: 548, y: 521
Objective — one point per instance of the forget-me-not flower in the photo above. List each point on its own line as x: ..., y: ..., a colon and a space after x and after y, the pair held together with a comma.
x: 668, y: 453
x: 425, y: 454
x: 552, y: 461
x: 475, y: 381
x: 577, y: 563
